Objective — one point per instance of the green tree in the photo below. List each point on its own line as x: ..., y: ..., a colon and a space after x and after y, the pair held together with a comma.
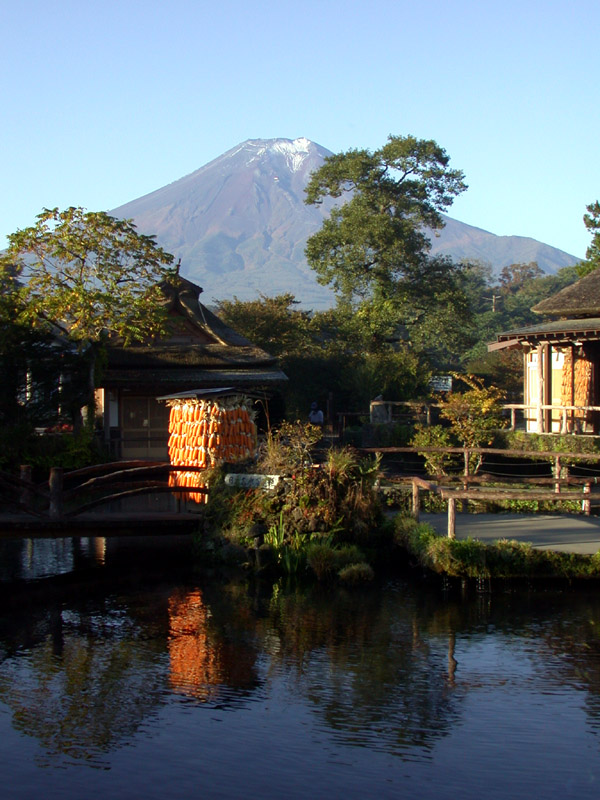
x: 591, y: 220
x: 503, y: 307
x: 272, y: 323
x: 515, y: 276
x: 375, y: 244
x: 474, y: 415
x: 90, y: 275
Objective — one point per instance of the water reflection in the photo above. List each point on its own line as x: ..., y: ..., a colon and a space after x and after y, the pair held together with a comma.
x: 202, y: 659
x: 80, y: 680
x: 30, y: 559
x: 388, y: 686
x: 87, y: 668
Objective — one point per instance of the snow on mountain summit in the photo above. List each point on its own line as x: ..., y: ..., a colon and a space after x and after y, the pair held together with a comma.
x: 294, y: 151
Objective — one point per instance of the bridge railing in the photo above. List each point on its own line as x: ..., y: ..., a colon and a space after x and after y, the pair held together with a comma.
x: 69, y: 493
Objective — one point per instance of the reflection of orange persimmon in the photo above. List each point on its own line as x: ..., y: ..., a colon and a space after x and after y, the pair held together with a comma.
x: 194, y: 662
x: 200, y: 661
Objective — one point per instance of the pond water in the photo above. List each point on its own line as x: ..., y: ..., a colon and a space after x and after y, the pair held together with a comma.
x: 125, y: 674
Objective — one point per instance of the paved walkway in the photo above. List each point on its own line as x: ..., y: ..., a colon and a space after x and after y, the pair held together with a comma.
x: 565, y: 532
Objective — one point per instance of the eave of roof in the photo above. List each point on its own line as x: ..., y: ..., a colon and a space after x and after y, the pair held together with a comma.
x: 162, y: 357
x: 174, y: 380
x: 563, y: 332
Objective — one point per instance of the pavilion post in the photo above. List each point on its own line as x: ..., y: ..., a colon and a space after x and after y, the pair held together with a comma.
x: 541, y: 388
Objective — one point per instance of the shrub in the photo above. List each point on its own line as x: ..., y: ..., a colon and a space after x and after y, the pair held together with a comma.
x: 474, y: 415
x: 321, y: 559
x: 434, y: 436
x: 470, y: 558
x: 356, y: 573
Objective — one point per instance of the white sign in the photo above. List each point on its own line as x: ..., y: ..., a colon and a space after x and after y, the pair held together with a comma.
x: 251, y: 481
x: 441, y: 383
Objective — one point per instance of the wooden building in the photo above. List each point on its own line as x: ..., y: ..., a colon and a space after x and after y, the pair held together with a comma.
x: 200, y: 352
x: 561, y: 384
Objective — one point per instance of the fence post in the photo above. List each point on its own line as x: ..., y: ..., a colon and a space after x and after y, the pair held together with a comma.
x: 55, y: 485
x: 451, y: 518
x: 416, y: 501
x: 586, y: 506
x: 557, y: 474
x: 467, y: 457
x: 26, y: 495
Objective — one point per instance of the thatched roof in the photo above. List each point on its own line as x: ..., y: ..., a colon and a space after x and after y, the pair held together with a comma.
x: 580, y: 299
x: 200, y: 350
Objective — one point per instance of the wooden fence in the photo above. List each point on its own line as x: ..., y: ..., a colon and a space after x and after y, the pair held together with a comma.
x: 484, y: 487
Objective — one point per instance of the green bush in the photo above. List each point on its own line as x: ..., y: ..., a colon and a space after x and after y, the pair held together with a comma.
x: 326, y: 559
x: 356, y: 573
x: 321, y: 558
x: 391, y: 434
x: 434, y: 436
x: 470, y: 558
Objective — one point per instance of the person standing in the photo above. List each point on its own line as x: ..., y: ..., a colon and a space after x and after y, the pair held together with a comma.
x: 315, y: 415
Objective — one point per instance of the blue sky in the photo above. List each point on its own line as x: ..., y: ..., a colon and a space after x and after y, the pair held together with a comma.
x: 106, y: 101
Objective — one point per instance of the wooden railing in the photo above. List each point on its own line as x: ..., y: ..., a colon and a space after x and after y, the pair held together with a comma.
x: 69, y: 493
x: 388, y: 411
x: 559, y: 487
x: 500, y: 493
x: 556, y: 457
x: 566, y: 413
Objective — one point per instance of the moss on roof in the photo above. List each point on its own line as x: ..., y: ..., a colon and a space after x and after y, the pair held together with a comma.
x: 210, y: 350
x: 580, y: 299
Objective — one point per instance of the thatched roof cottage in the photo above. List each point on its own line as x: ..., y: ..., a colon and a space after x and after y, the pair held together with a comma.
x: 562, y: 360
x: 200, y: 352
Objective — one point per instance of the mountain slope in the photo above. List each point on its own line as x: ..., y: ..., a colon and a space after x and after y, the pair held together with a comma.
x: 462, y: 241
x: 239, y: 224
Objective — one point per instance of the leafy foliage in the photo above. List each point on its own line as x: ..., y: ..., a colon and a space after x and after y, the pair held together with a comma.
x: 269, y: 322
x: 374, y: 248
x: 591, y: 221
x: 374, y: 245
x: 434, y: 436
x: 85, y: 276
x: 474, y: 415
x: 314, y: 509
x: 89, y: 273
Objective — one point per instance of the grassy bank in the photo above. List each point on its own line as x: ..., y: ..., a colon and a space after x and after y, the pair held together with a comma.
x: 504, y: 559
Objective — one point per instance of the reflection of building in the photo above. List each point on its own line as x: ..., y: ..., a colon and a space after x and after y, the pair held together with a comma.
x: 562, y: 360
x: 200, y: 352
x: 201, y: 661
x: 30, y: 559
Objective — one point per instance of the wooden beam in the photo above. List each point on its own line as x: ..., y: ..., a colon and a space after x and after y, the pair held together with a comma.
x: 541, y: 392
x: 451, y: 518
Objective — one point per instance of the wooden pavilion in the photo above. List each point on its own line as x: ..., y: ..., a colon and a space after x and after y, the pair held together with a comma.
x: 561, y: 384
x: 200, y: 352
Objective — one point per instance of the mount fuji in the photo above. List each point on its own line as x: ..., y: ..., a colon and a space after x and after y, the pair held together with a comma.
x: 239, y: 224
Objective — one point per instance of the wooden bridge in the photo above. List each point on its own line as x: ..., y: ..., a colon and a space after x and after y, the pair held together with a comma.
x: 70, y: 500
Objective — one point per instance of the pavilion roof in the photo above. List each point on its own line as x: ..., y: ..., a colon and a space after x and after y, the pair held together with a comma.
x: 580, y: 299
